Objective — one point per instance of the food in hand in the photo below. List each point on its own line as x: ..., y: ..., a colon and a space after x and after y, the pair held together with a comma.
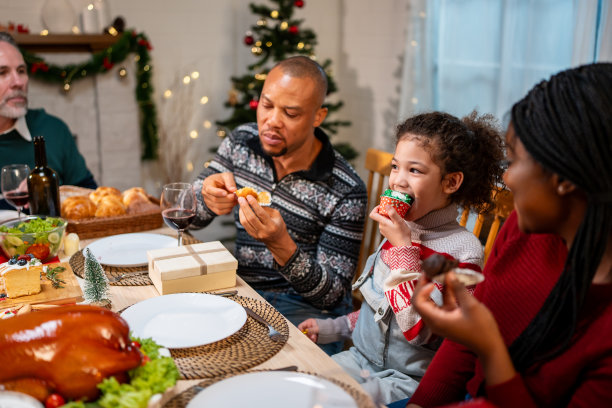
x: 110, y: 206
x: 82, y: 345
x: 103, y: 191
x: 40, y: 236
x: 263, y: 197
x: 437, y: 264
x: 78, y: 208
x: 401, y: 202
x: 21, y: 277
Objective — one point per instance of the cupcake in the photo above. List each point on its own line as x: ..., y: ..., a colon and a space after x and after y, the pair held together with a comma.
x: 401, y: 202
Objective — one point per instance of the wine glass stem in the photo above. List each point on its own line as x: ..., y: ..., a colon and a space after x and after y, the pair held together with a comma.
x: 18, y: 213
x: 180, y: 237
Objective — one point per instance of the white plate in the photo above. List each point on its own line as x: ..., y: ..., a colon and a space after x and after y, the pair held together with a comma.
x: 185, y: 319
x: 129, y: 249
x: 273, y: 389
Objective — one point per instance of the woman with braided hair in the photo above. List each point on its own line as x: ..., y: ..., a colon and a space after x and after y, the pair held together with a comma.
x: 559, y: 147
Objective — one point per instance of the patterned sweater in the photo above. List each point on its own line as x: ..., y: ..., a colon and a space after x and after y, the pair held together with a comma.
x: 324, y: 210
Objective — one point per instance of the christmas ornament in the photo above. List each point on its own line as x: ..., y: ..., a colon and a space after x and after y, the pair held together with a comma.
x: 249, y: 40
x: 108, y: 65
x: 233, y: 97
x: 253, y: 104
x: 293, y: 29
x: 299, y: 3
x: 66, y: 87
x: 96, y: 283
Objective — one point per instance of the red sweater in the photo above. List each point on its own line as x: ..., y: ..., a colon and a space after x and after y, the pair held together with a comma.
x: 520, y: 272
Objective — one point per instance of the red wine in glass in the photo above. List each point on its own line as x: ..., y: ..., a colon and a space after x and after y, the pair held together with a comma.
x: 178, y: 204
x: 18, y: 199
x: 177, y: 218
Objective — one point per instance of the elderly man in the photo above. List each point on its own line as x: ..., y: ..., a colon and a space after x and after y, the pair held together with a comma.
x: 300, y: 253
x: 18, y: 124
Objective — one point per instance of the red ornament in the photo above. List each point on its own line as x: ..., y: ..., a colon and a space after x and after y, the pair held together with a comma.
x: 249, y: 40
x: 253, y: 104
x: 39, y: 65
x: 145, y: 43
x: 293, y: 29
x: 107, y: 63
x: 299, y: 3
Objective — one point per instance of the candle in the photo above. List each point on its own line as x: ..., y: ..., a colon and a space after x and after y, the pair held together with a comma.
x: 71, y: 244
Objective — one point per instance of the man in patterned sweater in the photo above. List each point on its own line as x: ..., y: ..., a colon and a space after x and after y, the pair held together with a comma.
x: 301, y: 252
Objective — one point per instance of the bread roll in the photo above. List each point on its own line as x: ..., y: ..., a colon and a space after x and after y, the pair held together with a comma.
x: 78, y: 208
x: 100, y: 192
x: 136, y: 201
x: 109, y: 206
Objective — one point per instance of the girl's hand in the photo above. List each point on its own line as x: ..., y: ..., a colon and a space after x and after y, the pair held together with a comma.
x: 394, y: 228
x: 310, y: 328
x: 462, y: 318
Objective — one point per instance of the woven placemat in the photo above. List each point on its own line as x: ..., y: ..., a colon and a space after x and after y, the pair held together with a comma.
x: 140, y: 278
x: 362, y: 399
x: 248, y: 347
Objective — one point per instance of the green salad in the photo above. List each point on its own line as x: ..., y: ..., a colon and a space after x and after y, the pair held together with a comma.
x: 154, y: 377
x: 38, y: 236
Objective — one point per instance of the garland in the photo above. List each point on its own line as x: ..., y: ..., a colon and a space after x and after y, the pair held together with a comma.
x: 103, y: 61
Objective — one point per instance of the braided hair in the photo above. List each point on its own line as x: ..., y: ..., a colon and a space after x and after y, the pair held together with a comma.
x: 565, y: 124
x: 471, y: 145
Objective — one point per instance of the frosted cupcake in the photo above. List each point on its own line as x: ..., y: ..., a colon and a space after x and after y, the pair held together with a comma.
x: 401, y: 202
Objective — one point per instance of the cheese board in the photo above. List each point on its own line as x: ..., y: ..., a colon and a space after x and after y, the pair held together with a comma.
x: 70, y: 292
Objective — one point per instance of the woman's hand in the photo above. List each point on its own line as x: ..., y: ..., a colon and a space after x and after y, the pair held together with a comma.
x: 465, y: 320
x: 310, y: 328
x: 394, y: 228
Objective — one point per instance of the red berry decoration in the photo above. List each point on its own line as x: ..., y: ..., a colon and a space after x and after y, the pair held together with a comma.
x: 299, y: 3
x: 54, y: 401
x: 249, y: 40
x: 253, y: 104
x: 293, y: 29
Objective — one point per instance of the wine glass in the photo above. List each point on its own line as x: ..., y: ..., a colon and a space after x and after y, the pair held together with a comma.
x: 15, y: 185
x: 178, y: 204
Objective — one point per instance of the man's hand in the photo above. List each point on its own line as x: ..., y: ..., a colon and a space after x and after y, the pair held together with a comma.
x: 218, y: 192
x: 393, y: 228
x: 310, y: 328
x: 266, y: 224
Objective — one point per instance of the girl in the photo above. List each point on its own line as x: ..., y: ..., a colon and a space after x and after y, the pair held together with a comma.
x: 434, y: 163
x: 559, y: 148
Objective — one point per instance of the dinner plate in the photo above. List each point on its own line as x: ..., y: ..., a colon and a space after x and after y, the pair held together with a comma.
x: 185, y: 319
x: 129, y: 249
x: 6, y: 215
x: 273, y: 389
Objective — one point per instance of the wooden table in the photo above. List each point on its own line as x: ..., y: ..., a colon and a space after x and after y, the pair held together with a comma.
x: 298, y: 350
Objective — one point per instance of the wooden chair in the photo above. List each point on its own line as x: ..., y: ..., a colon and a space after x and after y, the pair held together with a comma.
x: 378, y: 164
x: 503, y: 206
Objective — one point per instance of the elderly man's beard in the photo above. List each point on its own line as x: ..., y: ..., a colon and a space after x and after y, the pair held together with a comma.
x: 14, y: 112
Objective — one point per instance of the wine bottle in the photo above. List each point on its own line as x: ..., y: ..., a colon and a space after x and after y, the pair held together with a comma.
x: 43, y: 183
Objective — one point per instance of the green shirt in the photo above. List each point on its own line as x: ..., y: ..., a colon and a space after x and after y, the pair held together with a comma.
x: 62, y: 153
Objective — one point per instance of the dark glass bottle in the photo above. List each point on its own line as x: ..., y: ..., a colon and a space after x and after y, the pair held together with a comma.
x: 43, y: 183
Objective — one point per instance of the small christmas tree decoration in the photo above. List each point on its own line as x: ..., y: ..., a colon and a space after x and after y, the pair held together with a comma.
x: 253, y: 104
x: 293, y: 29
x: 249, y: 40
x: 122, y: 73
x: 232, y: 97
x: 299, y: 3
x: 96, y: 283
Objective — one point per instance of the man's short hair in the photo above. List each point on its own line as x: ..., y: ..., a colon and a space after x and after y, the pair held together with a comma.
x: 301, y: 66
x: 7, y: 38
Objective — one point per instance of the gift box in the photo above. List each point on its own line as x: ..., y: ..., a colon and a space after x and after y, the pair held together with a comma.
x: 192, y: 268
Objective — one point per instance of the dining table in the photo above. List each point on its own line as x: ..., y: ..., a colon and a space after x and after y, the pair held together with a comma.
x: 298, y: 351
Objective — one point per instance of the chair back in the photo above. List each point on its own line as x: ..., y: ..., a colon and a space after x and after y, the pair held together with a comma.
x: 378, y: 164
x: 503, y: 201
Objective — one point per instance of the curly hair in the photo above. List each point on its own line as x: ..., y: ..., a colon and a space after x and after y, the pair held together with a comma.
x: 472, y: 145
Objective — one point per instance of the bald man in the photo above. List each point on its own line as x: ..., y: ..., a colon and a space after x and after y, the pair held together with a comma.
x: 299, y: 253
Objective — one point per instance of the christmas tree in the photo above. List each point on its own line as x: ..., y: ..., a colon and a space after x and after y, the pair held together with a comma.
x: 276, y: 36
x: 96, y: 282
